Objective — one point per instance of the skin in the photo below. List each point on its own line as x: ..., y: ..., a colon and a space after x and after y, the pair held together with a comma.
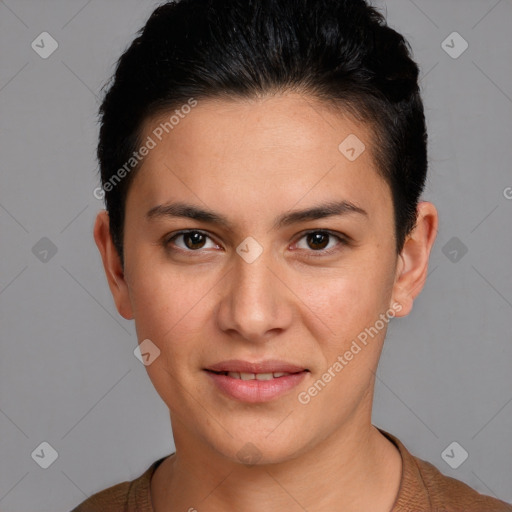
x: 252, y: 161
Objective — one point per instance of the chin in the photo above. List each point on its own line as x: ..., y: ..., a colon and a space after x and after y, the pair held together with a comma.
x: 260, y: 449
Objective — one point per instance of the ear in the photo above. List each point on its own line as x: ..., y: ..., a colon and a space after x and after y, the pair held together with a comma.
x: 112, y: 265
x: 412, y: 265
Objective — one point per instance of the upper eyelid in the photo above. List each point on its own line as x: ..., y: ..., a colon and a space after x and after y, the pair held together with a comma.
x: 339, y: 236
x: 168, y: 238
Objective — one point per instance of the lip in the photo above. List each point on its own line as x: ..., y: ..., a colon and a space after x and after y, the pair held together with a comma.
x: 256, y: 391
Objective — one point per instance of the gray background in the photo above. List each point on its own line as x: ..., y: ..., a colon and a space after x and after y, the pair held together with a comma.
x: 68, y: 375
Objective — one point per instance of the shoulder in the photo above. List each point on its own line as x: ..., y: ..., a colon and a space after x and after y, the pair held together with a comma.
x: 113, y: 499
x: 134, y: 495
x: 449, y: 494
x: 424, y: 488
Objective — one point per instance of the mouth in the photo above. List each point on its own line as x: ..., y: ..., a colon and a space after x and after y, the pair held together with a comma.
x: 254, y: 376
x: 262, y: 367
x: 256, y: 382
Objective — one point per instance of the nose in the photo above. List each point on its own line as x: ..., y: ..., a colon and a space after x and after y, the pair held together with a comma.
x: 255, y: 304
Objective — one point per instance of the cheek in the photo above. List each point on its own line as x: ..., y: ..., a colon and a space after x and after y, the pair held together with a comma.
x: 172, y: 308
x: 169, y: 310
x: 349, y: 300
x: 163, y: 295
x: 351, y: 306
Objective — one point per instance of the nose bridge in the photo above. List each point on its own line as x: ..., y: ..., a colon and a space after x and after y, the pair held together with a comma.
x: 253, y: 306
x: 253, y: 283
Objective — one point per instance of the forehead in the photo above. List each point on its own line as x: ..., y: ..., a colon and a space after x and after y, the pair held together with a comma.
x: 288, y: 122
x: 273, y: 151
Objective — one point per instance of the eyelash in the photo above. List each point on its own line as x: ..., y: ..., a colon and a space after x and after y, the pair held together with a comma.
x: 313, y: 254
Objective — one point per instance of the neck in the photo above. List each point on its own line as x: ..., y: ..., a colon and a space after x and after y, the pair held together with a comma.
x: 355, y: 469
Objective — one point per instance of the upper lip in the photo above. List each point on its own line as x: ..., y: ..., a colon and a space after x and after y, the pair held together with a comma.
x: 268, y: 366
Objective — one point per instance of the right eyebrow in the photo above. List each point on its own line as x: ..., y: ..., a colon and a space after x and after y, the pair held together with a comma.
x: 179, y: 209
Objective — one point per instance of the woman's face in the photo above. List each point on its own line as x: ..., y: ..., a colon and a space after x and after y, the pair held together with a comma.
x: 256, y: 281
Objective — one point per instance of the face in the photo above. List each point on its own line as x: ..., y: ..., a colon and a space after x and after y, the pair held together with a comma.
x: 251, y: 236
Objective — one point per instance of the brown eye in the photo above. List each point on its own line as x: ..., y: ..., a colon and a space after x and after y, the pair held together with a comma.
x: 321, y: 243
x: 318, y: 240
x: 194, y: 240
x: 189, y: 241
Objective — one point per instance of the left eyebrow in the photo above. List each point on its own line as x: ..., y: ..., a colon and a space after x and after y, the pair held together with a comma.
x: 319, y: 212
x: 180, y: 209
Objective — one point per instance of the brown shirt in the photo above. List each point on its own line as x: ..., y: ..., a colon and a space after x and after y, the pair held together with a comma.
x: 422, y: 489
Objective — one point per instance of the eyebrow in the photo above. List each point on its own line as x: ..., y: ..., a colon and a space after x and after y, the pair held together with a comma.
x: 190, y: 211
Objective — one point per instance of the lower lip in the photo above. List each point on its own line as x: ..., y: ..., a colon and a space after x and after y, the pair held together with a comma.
x: 254, y: 391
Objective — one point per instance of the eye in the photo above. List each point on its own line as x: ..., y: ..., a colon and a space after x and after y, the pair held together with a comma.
x: 189, y: 241
x: 322, y: 242
x: 316, y: 243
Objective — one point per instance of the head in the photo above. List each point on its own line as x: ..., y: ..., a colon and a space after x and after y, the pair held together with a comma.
x: 288, y: 140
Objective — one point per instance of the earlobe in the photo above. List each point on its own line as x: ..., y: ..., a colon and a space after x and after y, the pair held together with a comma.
x: 412, y: 265
x: 112, y: 265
